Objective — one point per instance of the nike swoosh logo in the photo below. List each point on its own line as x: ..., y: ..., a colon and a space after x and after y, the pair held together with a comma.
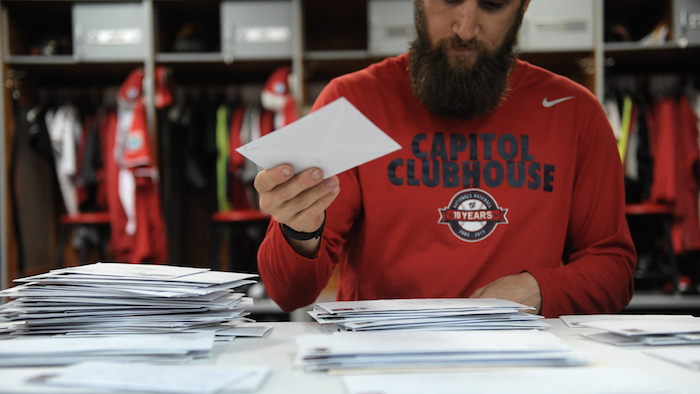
x: 546, y: 103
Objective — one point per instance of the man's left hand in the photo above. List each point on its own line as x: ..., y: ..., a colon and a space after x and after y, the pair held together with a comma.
x: 522, y: 288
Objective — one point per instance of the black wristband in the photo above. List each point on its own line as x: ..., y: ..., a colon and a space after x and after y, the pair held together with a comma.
x: 300, y: 235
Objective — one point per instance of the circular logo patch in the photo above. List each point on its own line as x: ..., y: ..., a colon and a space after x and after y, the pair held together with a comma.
x: 134, y: 140
x: 472, y: 215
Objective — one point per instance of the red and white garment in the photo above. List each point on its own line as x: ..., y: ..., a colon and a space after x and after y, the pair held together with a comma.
x: 277, y: 97
x: 138, y: 231
x: 250, y: 122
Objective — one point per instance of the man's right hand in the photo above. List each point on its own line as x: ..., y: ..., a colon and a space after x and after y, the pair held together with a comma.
x: 299, y: 201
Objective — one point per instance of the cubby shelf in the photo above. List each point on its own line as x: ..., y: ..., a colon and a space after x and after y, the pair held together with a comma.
x: 325, y: 38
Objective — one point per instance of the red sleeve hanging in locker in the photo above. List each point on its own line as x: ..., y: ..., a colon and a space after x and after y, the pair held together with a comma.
x: 686, y: 231
x: 663, y: 150
x: 676, y: 176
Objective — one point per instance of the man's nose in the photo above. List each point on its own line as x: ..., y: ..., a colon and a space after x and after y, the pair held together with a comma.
x: 466, y: 24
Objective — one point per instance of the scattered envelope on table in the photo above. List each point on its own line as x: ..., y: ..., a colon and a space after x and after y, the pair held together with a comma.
x: 154, y: 378
x: 334, y: 138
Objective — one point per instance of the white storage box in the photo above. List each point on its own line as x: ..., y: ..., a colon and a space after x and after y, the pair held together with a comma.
x: 390, y: 24
x: 257, y: 29
x: 686, y: 26
x: 109, y: 31
x: 558, y: 25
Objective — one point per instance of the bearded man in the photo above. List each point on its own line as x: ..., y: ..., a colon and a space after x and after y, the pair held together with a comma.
x: 508, y: 184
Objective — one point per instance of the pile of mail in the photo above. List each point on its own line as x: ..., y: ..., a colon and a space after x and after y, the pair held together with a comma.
x: 40, y: 350
x: 647, y: 330
x: 119, y: 298
x: 514, y: 380
x: 663, y: 336
x: 425, y: 349
x: 426, y: 314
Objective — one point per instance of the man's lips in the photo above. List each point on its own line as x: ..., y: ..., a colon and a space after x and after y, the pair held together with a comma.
x: 463, y: 48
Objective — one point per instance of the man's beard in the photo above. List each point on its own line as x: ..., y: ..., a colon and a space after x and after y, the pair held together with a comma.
x: 459, y: 91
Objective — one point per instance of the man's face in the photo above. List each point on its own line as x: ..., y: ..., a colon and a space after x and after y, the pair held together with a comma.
x: 461, y: 58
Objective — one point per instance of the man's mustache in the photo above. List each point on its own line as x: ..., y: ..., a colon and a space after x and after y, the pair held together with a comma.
x: 457, y: 43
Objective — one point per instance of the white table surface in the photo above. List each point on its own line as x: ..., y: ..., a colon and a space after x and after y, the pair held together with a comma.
x: 278, y: 349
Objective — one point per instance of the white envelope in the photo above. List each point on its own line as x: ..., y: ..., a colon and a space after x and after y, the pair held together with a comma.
x: 653, y: 326
x: 334, y: 138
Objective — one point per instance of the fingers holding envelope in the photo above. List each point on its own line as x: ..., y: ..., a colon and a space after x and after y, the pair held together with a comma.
x: 297, y: 200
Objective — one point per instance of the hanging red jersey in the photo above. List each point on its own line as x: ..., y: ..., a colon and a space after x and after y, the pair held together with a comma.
x: 138, y: 230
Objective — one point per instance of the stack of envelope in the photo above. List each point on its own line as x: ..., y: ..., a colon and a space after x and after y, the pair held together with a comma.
x: 119, y: 298
x: 440, y: 349
x: 663, y: 336
x: 426, y: 314
x: 649, y: 330
x: 44, y: 350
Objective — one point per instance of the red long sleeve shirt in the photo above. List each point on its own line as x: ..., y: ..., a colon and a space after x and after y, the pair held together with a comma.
x: 536, y: 185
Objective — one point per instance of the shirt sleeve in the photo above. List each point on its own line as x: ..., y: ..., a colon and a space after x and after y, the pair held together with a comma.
x: 292, y: 280
x: 597, y: 272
